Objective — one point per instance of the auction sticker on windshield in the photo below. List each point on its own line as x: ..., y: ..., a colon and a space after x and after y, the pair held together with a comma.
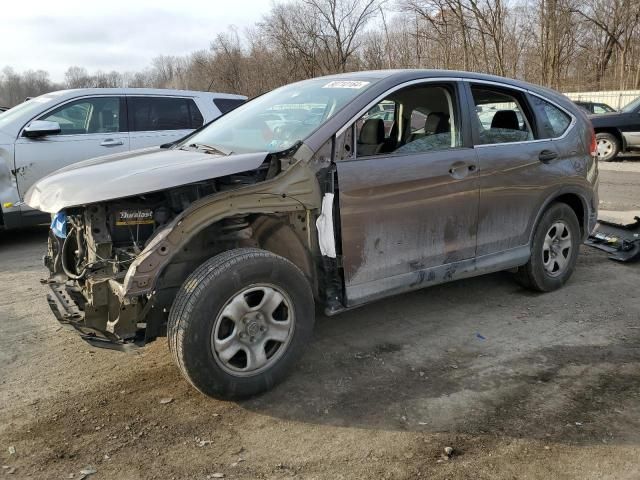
x: 346, y: 84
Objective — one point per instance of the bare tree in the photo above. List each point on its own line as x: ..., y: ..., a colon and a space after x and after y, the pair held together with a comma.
x: 340, y: 24
x: 565, y: 44
x: 615, y: 22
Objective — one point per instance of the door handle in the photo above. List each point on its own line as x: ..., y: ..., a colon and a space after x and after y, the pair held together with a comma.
x: 547, y: 155
x: 460, y: 169
x: 110, y: 142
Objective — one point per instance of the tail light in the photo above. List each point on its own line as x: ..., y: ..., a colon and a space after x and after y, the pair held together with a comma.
x: 594, y: 144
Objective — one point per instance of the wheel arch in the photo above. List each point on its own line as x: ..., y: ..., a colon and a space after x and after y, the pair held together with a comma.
x: 285, y: 236
x: 294, y: 194
x: 576, y: 200
x: 274, y: 233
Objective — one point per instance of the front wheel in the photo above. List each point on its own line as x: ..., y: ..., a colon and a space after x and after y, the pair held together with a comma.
x: 554, y: 250
x: 239, y: 322
x: 608, y: 146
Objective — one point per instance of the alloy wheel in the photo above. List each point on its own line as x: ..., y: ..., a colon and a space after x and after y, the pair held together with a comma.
x: 556, y: 249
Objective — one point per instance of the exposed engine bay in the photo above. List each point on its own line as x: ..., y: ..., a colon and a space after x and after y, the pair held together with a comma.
x: 110, y: 235
x: 89, y: 261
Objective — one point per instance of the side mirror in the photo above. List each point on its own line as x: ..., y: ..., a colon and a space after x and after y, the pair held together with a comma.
x: 40, y: 128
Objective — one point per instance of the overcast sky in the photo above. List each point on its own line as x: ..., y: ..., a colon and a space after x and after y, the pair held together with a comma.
x: 121, y: 35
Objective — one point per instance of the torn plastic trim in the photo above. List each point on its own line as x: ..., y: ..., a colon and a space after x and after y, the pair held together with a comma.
x: 324, y: 224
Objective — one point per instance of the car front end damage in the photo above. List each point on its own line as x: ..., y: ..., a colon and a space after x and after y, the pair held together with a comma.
x: 116, y: 265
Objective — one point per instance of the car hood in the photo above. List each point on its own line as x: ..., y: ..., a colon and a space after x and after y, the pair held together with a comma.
x: 606, y: 115
x: 5, y: 138
x: 132, y: 173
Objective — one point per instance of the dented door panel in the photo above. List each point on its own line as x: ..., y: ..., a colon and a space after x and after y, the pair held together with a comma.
x: 513, y: 183
x: 403, y: 214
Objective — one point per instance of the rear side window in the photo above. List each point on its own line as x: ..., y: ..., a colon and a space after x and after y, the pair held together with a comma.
x: 501, y: 116
x: 554, y: 121
x: 227, y: 104
x: 163, y: 113
x: 87, y: 115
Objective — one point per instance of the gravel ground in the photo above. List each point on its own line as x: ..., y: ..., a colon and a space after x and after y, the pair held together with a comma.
x: 521, y: 386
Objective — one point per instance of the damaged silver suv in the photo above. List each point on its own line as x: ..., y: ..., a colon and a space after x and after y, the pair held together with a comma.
x: 227, y: 239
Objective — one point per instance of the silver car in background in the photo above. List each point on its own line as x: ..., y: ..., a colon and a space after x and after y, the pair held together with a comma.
x: 59, y: 128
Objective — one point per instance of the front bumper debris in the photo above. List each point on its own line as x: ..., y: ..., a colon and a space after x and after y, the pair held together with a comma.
x: 614, y: 235
x: 69, y: 312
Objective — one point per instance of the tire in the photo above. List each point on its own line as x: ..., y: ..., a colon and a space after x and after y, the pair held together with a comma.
x: 608, y: 146
x: 538, y: 274
x: 241, y: 299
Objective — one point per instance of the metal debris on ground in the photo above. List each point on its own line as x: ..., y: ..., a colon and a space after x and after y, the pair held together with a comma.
x: 86, y: 472
x: 614, y: 235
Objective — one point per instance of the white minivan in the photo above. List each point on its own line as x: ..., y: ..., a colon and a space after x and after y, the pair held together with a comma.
x: 53, y: 130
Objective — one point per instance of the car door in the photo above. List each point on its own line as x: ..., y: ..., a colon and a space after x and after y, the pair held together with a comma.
x: 631, y: 128
x: 517, y: 164
x: 89, y: 127
x: 408, y: 199
x: 155, y: 120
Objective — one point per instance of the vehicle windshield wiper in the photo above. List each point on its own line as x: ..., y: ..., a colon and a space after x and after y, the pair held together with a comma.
x: 210, y: 148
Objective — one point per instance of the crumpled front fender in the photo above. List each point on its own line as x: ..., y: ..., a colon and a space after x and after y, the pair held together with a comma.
x: 295, y: 189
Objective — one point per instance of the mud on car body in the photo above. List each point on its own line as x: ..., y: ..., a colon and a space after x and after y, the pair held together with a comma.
x: 226, y: 240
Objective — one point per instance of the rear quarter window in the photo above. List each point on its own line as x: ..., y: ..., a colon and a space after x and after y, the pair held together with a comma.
x: 554, y: 121
x: 227, y: 104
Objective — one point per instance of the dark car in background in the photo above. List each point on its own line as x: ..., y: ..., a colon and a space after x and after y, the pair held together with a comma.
x: 595, y: 108
x: 3, y: 109
x: 618, y: 132
x: 226, y: 240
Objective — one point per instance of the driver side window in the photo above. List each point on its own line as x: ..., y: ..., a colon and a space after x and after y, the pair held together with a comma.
x: 87, y: 115
x: 415, y: 119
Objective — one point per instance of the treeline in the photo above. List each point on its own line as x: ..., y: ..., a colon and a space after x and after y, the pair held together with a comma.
x: 564, y: 44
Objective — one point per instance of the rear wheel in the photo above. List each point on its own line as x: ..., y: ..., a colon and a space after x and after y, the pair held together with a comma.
x: 608, y: 146
x: 240, y: 322
x: 554, y: 250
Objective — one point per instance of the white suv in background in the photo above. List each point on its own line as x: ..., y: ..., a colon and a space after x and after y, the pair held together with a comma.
x: 59, y: 128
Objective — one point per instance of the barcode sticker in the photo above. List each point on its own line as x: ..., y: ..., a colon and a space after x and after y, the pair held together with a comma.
x: 346, y: 84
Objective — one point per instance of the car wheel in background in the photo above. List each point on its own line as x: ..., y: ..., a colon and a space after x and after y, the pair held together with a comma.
x: 608, y: 146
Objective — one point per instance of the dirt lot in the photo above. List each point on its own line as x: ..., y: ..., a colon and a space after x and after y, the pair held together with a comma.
x: 520, y: 385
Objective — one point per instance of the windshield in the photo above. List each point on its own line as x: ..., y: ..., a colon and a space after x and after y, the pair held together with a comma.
x: 30, y: 106
x: 632, y: 106
x: 277, y: 120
